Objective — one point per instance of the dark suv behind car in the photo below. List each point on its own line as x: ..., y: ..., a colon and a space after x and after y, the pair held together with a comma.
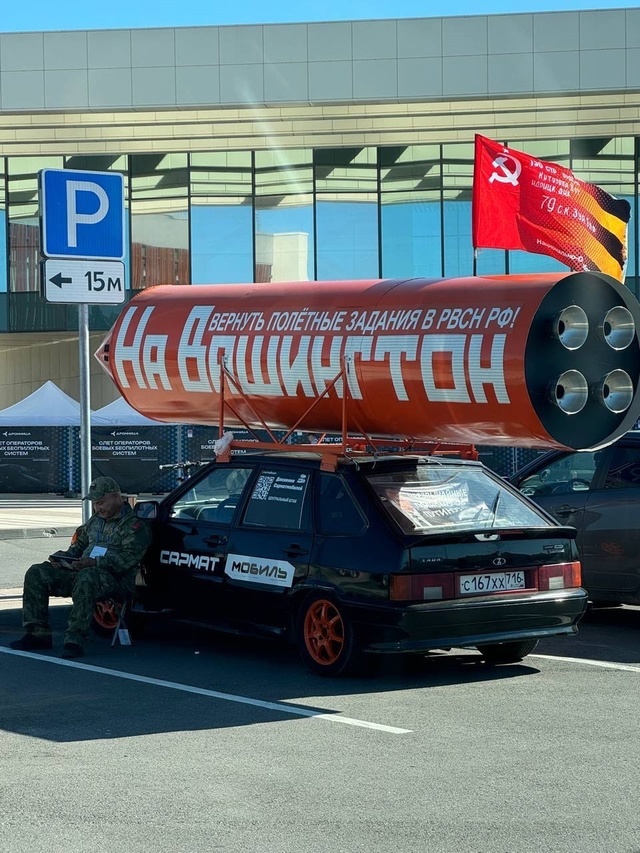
x: 382, y: 554
x: 598, y: 493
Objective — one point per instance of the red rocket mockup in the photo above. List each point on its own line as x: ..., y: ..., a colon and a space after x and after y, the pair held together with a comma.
x: 530, y: 360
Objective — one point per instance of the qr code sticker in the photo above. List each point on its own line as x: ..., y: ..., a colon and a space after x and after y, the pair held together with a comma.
x: 261, y: 488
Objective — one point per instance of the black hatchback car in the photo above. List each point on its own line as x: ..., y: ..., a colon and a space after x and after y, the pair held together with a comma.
x: 382, y: 554
x: 598, y: 493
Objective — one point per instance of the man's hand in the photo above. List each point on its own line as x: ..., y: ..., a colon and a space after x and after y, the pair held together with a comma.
x: 71, y: 564
x: 83, y: 563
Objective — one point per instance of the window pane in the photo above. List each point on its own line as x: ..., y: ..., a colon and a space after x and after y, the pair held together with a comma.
x: 221, y: 245
x: 434, y: 499
x: 337, y: 511
x: 284, y: 215
x: 410, y: 182
x: 277, y: 500
x: 347, y: 235
x: 346, y: 213
x: 624, y: 470
x: 340, y: 170
x: 221, y: 217
x: 24, y: 227
x: 284, y: 238
x: 221, y: 173
x: 457, y: 177
x: 215, y: 497
x: 574, y: 471
x: 159, y: 220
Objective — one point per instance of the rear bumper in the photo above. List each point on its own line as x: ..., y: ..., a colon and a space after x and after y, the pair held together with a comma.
x: 469, y: 622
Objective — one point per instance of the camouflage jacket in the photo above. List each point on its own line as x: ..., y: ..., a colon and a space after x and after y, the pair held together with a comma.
x: 125, y: 538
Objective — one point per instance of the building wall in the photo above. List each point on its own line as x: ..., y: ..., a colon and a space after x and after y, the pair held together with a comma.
x: 347, y: 61
x: 23, y: 369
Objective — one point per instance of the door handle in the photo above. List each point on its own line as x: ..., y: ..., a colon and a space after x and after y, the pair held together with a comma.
x: 295, y: 551
x: 565, y: 509
x: 216, y: 540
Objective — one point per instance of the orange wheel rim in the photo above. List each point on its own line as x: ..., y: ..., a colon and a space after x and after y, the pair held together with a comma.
x: 324, y: 632
x: 106, y: 613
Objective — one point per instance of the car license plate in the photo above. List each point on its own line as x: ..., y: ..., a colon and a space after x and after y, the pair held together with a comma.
x: 493, y: 582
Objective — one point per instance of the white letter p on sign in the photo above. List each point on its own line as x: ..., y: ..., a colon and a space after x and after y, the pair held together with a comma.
x: 73, y: 217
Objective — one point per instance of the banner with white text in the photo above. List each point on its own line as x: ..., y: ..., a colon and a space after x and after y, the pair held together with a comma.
x: 33, y: 459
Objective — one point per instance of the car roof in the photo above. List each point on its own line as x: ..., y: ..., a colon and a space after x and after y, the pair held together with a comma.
x: 380, y: 461
x: 631, y: 437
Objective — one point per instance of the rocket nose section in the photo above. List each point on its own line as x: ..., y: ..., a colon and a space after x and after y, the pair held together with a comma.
x: 102, y: 354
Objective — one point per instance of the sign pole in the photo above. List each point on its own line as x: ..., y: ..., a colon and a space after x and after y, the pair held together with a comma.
x: 85, y: 408
x: 82, y: 246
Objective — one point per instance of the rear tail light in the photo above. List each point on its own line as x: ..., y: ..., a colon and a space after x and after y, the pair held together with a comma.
x: 559, y: 576
x: 422, y: 587
x: 442, y: 586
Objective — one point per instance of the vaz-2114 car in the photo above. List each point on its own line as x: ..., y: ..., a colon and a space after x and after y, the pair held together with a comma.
x: 385, y: 554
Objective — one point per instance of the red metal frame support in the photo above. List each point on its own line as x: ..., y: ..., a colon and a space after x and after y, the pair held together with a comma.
x: 349, y: 445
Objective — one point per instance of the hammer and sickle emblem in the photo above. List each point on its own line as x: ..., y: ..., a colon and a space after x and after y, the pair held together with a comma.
x: 506, y: 176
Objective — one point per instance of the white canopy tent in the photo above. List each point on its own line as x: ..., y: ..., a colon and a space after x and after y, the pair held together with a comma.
x: 120, y: 413
x: 47, y: 406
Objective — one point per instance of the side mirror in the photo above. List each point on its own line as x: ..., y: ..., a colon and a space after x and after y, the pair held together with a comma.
x: 146, y: 509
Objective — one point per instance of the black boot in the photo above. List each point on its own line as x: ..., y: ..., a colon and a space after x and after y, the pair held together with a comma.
x: 32, y: 643
x: 72, y: 650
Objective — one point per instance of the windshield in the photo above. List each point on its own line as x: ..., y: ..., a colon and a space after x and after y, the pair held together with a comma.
x: 437, y: 498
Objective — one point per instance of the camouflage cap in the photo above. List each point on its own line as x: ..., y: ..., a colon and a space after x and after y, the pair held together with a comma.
x: 100, y: 487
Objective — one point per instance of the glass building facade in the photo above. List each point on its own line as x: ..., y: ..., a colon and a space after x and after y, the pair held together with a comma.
x: 293, y: 214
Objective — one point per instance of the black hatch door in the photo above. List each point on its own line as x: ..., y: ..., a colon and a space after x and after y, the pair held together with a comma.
x: 611, y: 534
x: 187, y: 558
x: 270, y: 545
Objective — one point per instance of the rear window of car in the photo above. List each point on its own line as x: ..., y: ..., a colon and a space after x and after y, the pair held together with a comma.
x: 436, y: 498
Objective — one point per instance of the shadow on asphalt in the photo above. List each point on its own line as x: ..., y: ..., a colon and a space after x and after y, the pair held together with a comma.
x: 41, y: 699
x: 605, y: 634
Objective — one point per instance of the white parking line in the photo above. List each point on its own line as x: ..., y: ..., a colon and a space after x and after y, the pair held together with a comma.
x: 605, y: 664
x: 282, y: 707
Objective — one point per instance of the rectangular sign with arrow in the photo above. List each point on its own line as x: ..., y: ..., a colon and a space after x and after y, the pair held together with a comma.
x: 88, y: 281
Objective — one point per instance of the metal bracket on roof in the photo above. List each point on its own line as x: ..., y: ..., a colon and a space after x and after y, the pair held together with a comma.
x: 352, y: 442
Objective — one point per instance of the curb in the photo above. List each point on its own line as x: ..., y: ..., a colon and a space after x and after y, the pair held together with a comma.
x: 37, y: 532
x: 11, y: 592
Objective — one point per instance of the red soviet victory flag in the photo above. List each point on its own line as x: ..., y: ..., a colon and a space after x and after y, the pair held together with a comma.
x: 520, y: 202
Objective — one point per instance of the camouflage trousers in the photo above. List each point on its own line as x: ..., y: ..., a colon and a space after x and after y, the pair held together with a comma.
x: 84, y: 587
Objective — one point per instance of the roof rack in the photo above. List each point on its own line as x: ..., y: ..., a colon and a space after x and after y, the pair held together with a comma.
x: 350, y: 443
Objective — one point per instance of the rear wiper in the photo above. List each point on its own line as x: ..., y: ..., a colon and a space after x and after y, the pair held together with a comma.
x: 494, y: 508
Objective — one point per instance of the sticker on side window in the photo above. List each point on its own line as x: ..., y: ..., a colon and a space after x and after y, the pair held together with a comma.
x: 258, y: 570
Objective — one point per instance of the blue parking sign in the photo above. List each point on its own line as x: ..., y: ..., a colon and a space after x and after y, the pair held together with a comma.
x: 82, y: 214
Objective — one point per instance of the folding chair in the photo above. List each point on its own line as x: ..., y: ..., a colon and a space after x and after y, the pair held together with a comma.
x: 109, y: 620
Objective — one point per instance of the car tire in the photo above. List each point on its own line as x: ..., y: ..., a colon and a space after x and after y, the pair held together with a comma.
x: 499, y: 653
x: 325, y: 637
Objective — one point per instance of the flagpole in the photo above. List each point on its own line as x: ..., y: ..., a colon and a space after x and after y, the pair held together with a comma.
x: 475, y: 262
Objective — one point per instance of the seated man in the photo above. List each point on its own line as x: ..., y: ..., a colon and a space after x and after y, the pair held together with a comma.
x: 100, y: 562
